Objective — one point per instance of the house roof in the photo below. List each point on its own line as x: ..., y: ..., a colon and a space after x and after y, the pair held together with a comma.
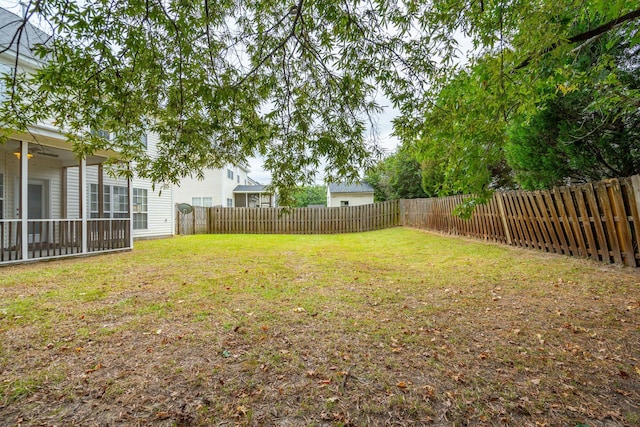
x: 31, y: 36
x: 251, y: 189
x: 350, y: 188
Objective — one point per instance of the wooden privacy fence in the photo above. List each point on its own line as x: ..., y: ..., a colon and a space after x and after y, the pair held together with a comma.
x: 599, y: 221
x: 348, y: 219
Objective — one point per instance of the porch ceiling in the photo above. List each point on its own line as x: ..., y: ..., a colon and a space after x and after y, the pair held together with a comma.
x: 52, y: 148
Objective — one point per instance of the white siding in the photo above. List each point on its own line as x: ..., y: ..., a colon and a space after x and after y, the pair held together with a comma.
x: 215, y: 184
x: 160, y: 210
x: 354, y: 199
x: 160, y: 216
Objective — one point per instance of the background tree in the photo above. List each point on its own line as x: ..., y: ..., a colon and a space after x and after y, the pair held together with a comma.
x: 398, y: 176
x: 310, y: 195
x: 572, y: 89
x: 584, y: 130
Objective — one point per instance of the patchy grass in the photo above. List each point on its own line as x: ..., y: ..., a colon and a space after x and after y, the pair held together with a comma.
x: 397, y: 327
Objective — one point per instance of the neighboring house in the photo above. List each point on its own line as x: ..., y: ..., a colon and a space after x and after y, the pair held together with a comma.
x: 228, y: 187
x: 349, y: 194
x: 253, y: 196
x: 53, y: 204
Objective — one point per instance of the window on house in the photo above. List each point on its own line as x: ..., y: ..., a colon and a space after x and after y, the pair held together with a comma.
x: 238, y: 178
x: 229, y: 174
x: 143, y: 141
x: 206, y: 202
x: 140, y: 206
x: 120, y: 202
x: 93, y: 201
x: 115, y: 201
x: 4, y: 71
x: 229, y: 203
x: 344, y: 203
x: 1, y: 196
x: 102, y: 134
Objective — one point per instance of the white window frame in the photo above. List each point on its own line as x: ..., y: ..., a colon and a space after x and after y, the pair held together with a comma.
x: 115, y: 199
x: 229, y: 202
x: 230, y: 174
x: 344, y: 203
x: 203, y: 201
x: 140, y: 209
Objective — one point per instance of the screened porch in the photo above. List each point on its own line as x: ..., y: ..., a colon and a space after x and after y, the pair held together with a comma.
x: 53, y: 205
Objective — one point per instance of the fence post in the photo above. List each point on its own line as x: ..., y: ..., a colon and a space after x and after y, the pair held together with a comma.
x: 635, y: 184
x: 503, y: 216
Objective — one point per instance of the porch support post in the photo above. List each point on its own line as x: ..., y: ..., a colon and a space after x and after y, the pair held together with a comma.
x: 82, y: 174
x: 63, y: 189
x: 130, y: 191
x: 100, y: 191
x: 24, y: 198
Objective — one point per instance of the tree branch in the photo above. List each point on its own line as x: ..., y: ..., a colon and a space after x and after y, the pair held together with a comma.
x: 298, y: 10
x: 586, y: 35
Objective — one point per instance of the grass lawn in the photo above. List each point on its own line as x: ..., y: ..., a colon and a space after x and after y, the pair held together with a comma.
x: 396, y: 327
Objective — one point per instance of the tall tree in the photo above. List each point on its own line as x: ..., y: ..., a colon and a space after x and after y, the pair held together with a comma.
x: 310, y: 195
x: 294, y: 82
x: 585, y: 129
x: 530, y: 53
x: 398, y: 176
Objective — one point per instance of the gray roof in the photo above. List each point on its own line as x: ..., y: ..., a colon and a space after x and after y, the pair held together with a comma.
x: 251, y: 189
x: 31, y: 36
x: 350, y: 188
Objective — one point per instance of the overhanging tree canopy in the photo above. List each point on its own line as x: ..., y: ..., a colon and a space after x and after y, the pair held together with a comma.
x: 294, y: 82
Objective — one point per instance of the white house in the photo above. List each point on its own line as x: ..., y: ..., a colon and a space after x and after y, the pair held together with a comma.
x: 229, y: 187
x: 53, y: 204
x: 341, y: 194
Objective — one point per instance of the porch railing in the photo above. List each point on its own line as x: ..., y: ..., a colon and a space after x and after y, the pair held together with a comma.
x: 54, y: 237
x: 10, y: 236
x: 108, y: 234
x: 50, y: 238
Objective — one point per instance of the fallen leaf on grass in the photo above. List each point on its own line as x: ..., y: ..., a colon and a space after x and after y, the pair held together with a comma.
x: 163, y: 415
x: 299, y: 310
x: 97, y: 367
x: 402, y: 384
x: 429, y: 392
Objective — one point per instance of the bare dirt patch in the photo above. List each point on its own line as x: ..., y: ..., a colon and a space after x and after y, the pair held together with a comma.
x: 397, y: 327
